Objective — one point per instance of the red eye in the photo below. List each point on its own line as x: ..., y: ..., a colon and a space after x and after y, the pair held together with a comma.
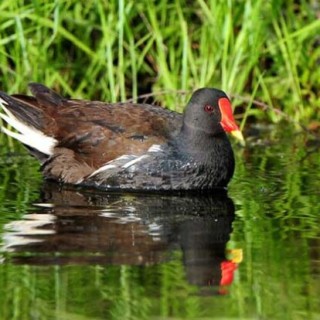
x: 208, y: 108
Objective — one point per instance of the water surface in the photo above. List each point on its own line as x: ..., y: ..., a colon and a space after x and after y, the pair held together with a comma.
x: 251, y: 253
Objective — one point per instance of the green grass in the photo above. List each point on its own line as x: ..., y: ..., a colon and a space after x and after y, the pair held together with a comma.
x: 115, y: 50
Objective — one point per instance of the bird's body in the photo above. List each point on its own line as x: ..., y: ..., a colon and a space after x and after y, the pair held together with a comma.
x: 125, y: 146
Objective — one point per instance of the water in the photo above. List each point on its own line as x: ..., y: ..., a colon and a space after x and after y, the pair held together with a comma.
x: 253, y: 253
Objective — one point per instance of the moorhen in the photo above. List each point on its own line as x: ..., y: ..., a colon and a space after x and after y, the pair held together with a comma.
x: 126, y: 146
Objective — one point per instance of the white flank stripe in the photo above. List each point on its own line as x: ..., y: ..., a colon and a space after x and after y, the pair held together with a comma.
x: 28, y: 135
x: 110, y: 165
x: 124, y: 157
x: 132, y: 162
x: 104, y: 168
x: 155, y: 148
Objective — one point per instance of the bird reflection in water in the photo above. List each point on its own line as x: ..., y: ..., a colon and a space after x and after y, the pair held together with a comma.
x: 73, y: 226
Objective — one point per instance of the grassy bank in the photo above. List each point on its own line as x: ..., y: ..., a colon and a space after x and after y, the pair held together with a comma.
x: 115, y: 50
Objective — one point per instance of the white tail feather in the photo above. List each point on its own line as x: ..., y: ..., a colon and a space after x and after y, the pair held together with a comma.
x: 28, y: 135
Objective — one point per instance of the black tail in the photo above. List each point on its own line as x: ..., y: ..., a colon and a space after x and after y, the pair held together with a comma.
x: 33, y: 111
x: 24, y: 108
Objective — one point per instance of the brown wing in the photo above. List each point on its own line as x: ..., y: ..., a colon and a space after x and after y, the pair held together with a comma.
x: 91, y: 133
x: 100, y: 132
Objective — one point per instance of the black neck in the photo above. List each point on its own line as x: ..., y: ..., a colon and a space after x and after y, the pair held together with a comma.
x: 196, y: 138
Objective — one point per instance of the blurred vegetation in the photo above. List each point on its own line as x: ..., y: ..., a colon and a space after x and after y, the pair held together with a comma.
x: 115, y: 50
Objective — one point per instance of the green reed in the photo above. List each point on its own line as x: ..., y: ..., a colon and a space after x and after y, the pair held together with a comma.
x: 114, y: 50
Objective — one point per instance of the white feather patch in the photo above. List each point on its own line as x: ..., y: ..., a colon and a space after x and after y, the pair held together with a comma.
x: 28, y: 135
x: 119, y: 163
x: 112, y: 164
x: 134, y: 161
x: 155, y: 148
x: 103, y: 168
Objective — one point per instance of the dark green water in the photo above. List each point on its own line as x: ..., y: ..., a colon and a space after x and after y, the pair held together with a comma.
x: 251, y: 254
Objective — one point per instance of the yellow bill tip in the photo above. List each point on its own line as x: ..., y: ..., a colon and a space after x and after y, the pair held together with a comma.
x: 238, y: 135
